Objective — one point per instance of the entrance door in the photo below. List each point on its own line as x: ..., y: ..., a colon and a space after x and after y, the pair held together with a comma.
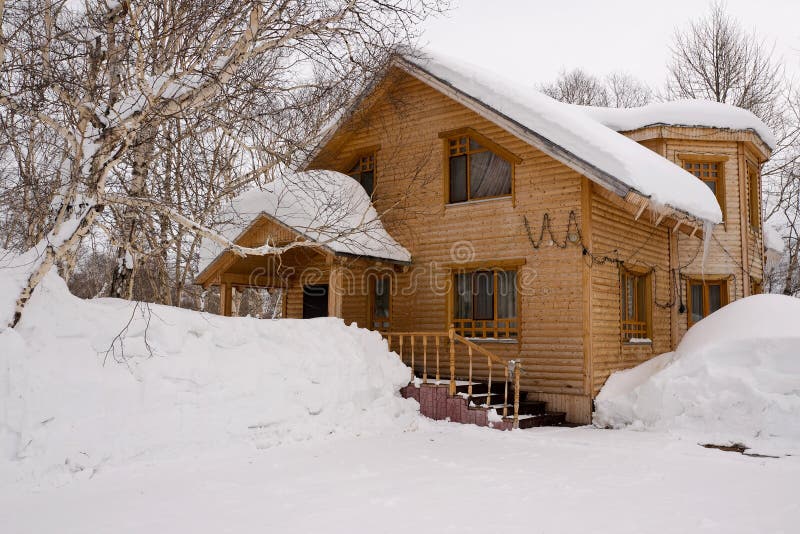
x: 315, y: 301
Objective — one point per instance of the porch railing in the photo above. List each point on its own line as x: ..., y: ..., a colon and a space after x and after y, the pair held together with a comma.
x: 462, y: 356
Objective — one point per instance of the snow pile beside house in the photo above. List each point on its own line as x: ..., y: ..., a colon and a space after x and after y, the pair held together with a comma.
x: 735, y: 377
x: 85, y: 384
x: 327, y: 207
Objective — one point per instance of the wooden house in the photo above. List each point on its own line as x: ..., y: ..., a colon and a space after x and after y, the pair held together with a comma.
x: 573, y: 241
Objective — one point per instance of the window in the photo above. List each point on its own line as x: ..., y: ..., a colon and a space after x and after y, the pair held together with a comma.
x: 754, y: 190
x: 476, y: 167
x: 635, y: 306
x: 706, y: 297
x: 711, y: 173
x: 381, y: 303
x: 486, y: 304
x: 364, y: 172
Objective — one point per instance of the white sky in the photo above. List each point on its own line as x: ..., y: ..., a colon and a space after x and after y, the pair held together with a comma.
x: 536, y: 39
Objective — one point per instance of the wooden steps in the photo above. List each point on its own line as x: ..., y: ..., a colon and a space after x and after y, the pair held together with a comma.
x: 436, y: 403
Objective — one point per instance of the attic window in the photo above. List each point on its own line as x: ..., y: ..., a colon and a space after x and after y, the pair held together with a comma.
x: 711, y: 173
x: 364, y: 172
x: 476, y: 168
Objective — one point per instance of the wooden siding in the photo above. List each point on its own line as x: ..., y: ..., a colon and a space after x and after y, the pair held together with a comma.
x: 734, y: 250
x: 620, y: 241
x: 410, y: 197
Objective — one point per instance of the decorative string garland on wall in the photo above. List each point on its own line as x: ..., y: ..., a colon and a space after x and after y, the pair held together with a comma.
x: 573, y: 235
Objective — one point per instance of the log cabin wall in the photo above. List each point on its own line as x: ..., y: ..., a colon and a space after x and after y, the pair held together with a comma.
x: 640, y: 246
x: 403, y: 128
x: 735, y: 249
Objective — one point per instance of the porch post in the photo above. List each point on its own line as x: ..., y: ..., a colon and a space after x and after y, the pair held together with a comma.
x: 335, y: 289
x: 225, y: 299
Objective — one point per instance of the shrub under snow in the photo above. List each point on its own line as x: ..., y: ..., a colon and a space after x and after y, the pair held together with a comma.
x: 735, y: 377
x: 178, y: 382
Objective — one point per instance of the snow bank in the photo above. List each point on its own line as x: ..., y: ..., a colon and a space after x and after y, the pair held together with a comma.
x: 735, y: 377
x: 178, y: 382
x: 567, y: 126
x: 701, y: 113
x: 328, y: 207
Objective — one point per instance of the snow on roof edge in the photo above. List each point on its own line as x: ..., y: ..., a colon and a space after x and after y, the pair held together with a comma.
x: 687, y: 113
x: 325, y: 207
x: 608, y: 151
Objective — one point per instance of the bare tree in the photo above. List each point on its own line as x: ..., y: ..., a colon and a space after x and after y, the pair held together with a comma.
x: 715, y: 59
x: 625, y: 91
x: 577, y: 87
x: 618, y: 90
x: 113, y: 83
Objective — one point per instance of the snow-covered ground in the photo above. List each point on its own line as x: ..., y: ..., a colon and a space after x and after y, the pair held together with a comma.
x: 440, y: 478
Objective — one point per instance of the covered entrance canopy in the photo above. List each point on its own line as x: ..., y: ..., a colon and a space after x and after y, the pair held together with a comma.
x: 309, y: 229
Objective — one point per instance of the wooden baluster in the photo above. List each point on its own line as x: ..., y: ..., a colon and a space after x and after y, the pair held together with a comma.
x: 438, y: 377
x: 424, y: 359
x: 489, y: 391
x: 505, y: 397
x: 401, y: 356
x: 412, y: 355
x: 451, y: 334
x: 389, y: 342
x: 469, y: 387
x: 517, y: 372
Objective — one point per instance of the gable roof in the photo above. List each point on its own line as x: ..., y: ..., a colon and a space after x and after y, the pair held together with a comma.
x: 569, y: 135
x: 327, y: 208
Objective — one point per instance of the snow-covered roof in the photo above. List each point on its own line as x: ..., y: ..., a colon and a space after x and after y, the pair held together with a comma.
x: 604, y: 155
x: 326, y: 207
x: 699, y: 113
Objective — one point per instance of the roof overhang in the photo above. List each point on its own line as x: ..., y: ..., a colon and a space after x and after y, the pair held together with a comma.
x: 637, y: 201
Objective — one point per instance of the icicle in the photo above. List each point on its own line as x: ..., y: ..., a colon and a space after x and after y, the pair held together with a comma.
x: 708, y: 227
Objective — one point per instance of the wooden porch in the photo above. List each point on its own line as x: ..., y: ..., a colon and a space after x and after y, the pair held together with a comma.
x: 455, y: 379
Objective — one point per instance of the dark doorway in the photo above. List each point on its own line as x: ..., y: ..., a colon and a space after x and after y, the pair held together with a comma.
x: 315, y: 301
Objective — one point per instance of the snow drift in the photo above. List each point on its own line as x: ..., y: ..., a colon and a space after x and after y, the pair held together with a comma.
x: 735, y: 377
x: 84, y: 384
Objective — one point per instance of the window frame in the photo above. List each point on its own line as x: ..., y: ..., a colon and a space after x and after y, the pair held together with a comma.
x: 646, y: 282
x: 753, y: 200
x: 700, y: 159
x: 486, y: 333
x: 373, y: 301
x: 705, y: 283
x: 371, y: 157
x: 488, y: 145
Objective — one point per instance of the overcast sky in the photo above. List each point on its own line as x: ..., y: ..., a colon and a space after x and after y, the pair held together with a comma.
x: 535, y: 39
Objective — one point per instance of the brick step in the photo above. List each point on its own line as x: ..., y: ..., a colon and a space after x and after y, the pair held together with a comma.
x: 436, y: 403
